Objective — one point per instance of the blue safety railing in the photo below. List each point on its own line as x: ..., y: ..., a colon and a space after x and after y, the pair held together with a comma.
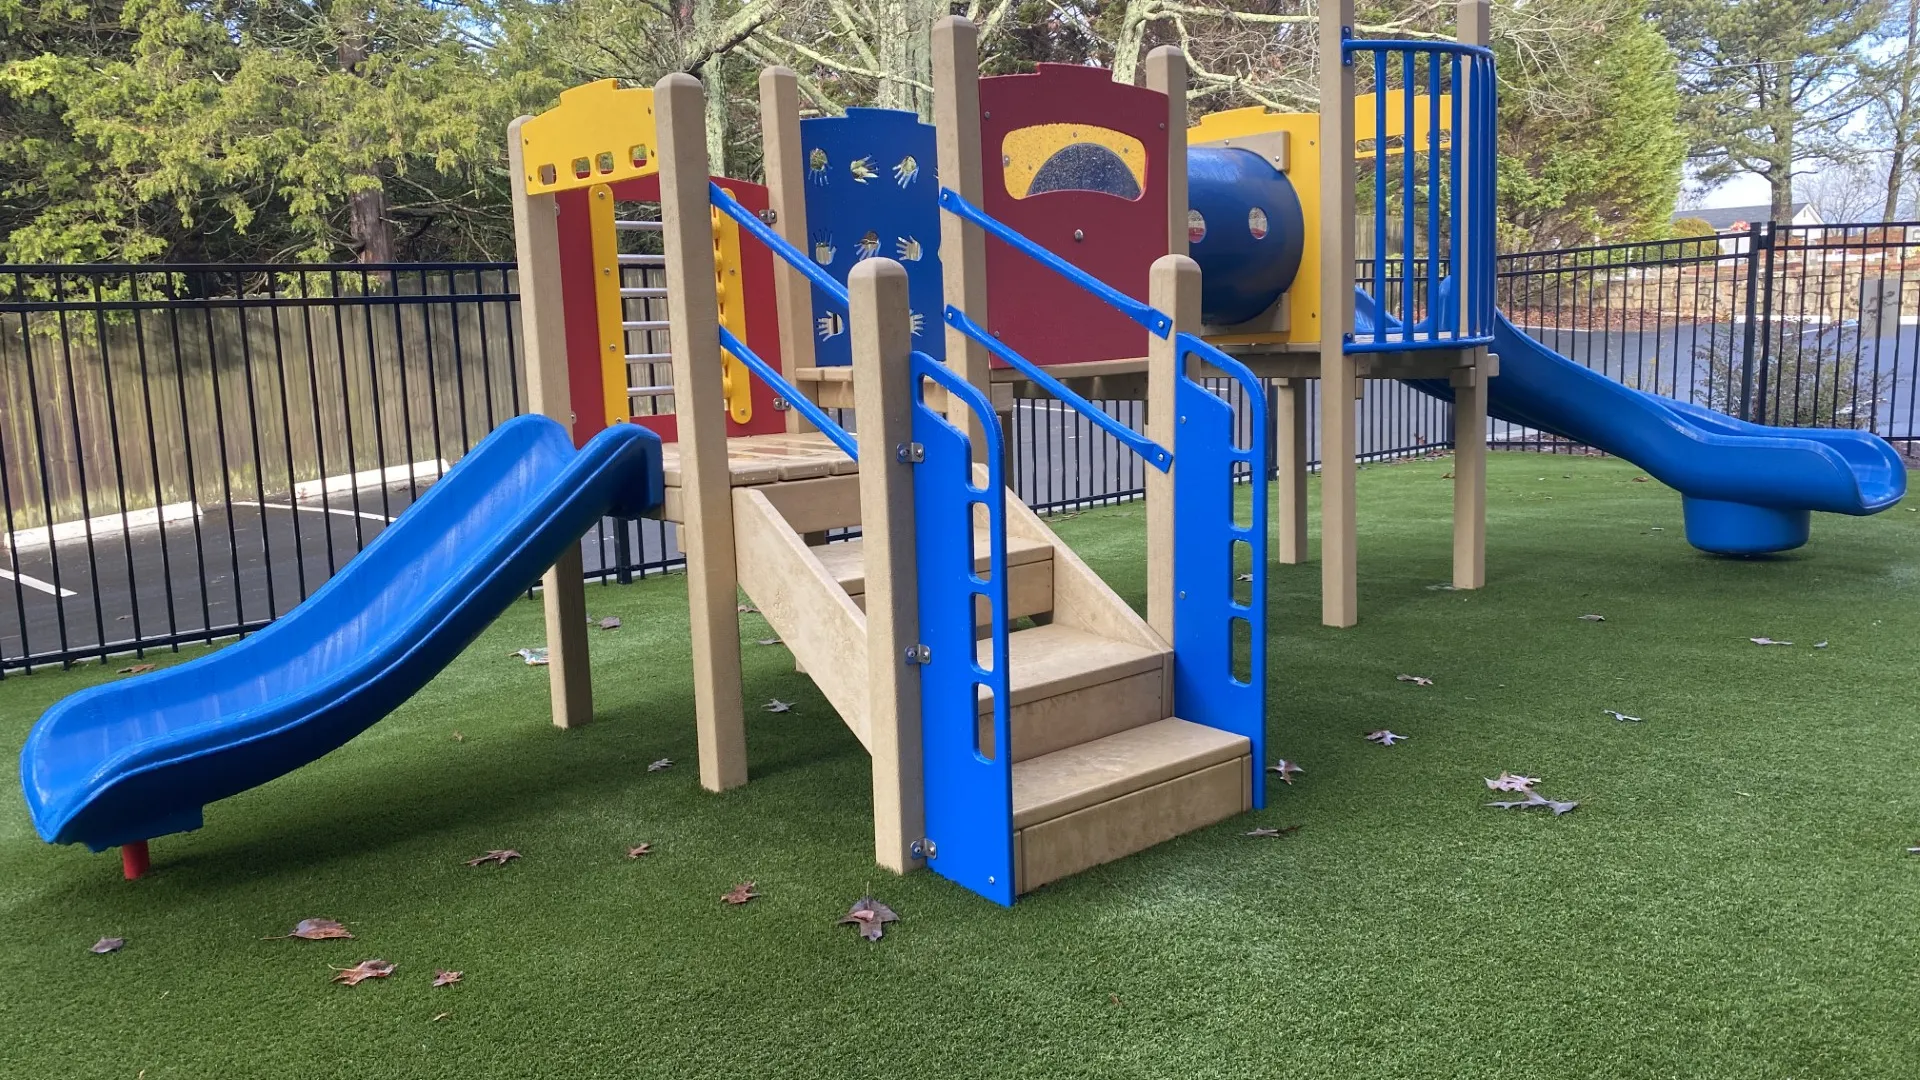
x: 1152, y: 452
x: 1458, y: 185
x: 968, y: 784
x: 748, y: 220
x: 814, y: 414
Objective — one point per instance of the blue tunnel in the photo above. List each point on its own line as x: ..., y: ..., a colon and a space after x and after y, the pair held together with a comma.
x: 1244, y: 228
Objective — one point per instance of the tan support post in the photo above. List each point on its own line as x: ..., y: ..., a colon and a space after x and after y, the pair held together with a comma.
x: 787, y: 198
x: 1290, y: 453
x: 1167, y: 73
x: 963, y: 247
x: 882, y: 340
x: 1470, y: 386
x: 1173, y: 287
x: 563, y: 590
x: 1339, y: 580
x: 699, y: 409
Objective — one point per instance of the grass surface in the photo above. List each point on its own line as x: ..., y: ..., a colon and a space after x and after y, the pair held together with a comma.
x: 1730, y: 900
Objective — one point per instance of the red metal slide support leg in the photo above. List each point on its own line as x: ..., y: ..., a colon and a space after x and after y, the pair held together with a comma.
x: 133, y: 860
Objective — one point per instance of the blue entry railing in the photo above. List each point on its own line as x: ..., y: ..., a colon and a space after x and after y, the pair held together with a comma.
x: 968, y: 787
x: 1456, y: 186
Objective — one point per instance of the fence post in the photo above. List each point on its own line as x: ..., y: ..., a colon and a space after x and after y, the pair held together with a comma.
x: 1742, y: 408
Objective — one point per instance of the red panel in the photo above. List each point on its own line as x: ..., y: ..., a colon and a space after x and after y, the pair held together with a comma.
x: 577, y: 304
x: 1040, y: 314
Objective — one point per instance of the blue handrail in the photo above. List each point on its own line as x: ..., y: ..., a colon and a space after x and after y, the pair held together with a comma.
x: 1155, y: 455
x: 795, y: 258
x: 1144, y: 314
x: 814, y: 414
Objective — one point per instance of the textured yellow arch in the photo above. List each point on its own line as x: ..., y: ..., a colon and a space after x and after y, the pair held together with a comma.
x: 1026, y: 149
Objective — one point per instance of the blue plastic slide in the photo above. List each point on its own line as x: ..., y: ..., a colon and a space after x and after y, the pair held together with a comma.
x: 1746, y: 489
x: 121, y: 763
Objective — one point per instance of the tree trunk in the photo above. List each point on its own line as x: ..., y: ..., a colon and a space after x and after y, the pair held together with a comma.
x: 1902, y: 119
x: 902, y: 44
x: 719, y: 117
x: 1780, y: 174
x: 368, y: 228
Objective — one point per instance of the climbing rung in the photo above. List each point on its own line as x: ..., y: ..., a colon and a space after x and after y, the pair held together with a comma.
x: 644, y: 324
x: 649, y: 391
x: 648, y: 357
x: 639, y: 226
x: 643, y: 294
x: 643, y: 260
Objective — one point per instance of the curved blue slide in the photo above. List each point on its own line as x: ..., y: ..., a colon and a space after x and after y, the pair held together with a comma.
x: 125, y: 762
x: 1746, y: 489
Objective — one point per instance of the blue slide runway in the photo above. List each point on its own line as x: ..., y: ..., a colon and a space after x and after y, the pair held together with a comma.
x: 131, y: 760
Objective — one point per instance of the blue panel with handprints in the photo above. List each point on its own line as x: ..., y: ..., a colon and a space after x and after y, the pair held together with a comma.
x: 871, y: 191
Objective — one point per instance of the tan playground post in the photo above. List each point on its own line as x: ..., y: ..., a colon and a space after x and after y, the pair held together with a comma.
x: 963, y: 247
x: 882, y: 343
x: 563, y: 591
x: 1290, y: 471
x: 1173, y: 287
x: 1469, y: 381
x: 706, y: 533
x: 1339, y: 583
x: 1167, y: 73
x: 787, y: 199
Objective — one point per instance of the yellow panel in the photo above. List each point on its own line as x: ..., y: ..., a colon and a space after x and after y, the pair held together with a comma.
x: 608, y: 309
x: 598, y: 134
x: 1363, y: 116
x: 1023, y: 151
x: 1303, y: 171
x: 736, y: 382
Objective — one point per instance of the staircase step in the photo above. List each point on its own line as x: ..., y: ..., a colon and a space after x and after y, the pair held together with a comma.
x: 1101, y: 800
x: 1070, y: 687
x: 1029, y: 571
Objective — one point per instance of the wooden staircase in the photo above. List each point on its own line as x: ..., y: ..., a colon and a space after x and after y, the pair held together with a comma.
x: 1101, y: 767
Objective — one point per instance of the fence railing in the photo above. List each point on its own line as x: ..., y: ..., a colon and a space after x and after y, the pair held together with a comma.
x: 187, y: 452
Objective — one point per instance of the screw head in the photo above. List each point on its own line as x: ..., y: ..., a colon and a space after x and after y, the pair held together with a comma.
x: 1079, y: 234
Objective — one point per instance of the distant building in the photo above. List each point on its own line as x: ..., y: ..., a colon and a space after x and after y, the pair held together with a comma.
x: 1738, y: 219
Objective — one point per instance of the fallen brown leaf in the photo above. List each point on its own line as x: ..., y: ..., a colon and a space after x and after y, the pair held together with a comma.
x: 1507, y: 781
x: 443, y: 977
x: 661, y: 765
x: 137, y: 669
x: 747, y: 609
x: 638, y: 850
x: 437, y: 1017
x: 1417, y: 680
x: 109, y: 944
x: 871, y: 916
x: 1534, y: 799
x: 497, y: 858
x: 611, y: 622
x: 1384, y: 737
x: 1593, y: 618
x: 314, y: 930
x: 362, y: 971
x: 739, y: 894
x: 457, y: 737
x: 1287, y: 770
x: 1284, y: 831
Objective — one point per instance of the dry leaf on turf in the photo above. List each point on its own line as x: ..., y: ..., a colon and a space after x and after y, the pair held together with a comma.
x: 1767, y: 641
x: 1283, y: 831
x: 108, y: 944
x: 1384, y: 737
x: 1287, y: 770
x: 662, y: 765
x: 443, y: 977
x: 611, y: 622
x: 1620, y: 716
x: 767, y: 641
x: 1244, y: 577
x: 457, y: 737
x: 532, y: 657
x: 1445, y: 586
x: 776, y: 705
x: 1819, y: 644
x: 497, y: 858
x: 1507, y: 781
x: 747, y: 609
x: 739, y: 894
x: 362, y: 971
x: 437, y: 1017
x: 871, y: 916
x: 315, y: 930
x: 1910, y: 851
x: 638, y: 850
x: 137, y: 669
x: 1417, y: 680
x: 1593, y: 618
x: 1641, y: 479
x: 1534, y: 799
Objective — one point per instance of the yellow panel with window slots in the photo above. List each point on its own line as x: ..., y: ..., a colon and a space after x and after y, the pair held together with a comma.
x: 598, y: 134
x: 736, y: 383
x: 1303, y: 172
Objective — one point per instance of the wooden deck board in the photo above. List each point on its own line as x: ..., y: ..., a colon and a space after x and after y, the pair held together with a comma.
x: 768, y: 459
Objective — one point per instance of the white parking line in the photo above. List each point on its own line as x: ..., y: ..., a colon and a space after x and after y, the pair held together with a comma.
x: 313, y: 509
x: 36, y: 583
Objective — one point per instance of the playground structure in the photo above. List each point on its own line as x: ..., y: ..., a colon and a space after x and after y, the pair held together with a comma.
x: 1072, y: 237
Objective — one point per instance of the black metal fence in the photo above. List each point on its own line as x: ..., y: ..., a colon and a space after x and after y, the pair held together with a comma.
x: 187, y: 452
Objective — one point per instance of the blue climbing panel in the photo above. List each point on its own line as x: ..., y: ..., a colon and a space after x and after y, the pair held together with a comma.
x: 871, y: 191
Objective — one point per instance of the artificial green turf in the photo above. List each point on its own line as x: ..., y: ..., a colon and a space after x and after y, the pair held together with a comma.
x: 1730, y: 900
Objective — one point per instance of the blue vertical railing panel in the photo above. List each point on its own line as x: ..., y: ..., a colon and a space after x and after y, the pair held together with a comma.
x: 1466, y: 168
x: 1205, y: 576
x: 969, y: 792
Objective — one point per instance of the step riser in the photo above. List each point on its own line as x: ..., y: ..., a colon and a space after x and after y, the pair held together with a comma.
x: 1051, y: 850
x: 1029, y: 592
x: 1079, y: 716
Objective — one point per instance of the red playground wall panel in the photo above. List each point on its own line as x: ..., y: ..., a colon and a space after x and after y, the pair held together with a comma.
x: 1116, y: 239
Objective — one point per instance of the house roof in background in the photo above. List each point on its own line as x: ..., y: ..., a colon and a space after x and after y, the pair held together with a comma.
x: 1722, y: 218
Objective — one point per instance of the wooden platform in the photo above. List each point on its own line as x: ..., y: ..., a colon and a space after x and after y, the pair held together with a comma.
x: 769, y: 459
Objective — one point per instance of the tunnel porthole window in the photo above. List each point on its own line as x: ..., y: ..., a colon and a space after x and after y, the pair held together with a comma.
x: 1196, y: 227
x: 1257, y: 223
